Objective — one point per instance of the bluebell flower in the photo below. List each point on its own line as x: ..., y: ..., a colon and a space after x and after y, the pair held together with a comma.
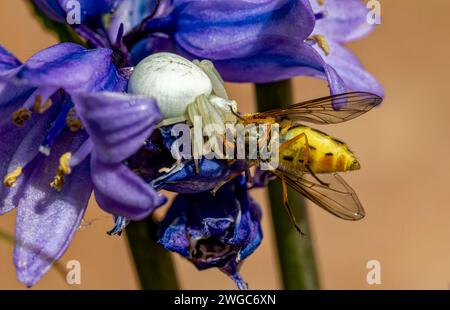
x: 219, y: 230
x: 248, y: 41
x: 65, y: 129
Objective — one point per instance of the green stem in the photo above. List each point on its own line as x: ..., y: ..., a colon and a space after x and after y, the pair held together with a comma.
x: 295, y: 253
x: 153, y: 263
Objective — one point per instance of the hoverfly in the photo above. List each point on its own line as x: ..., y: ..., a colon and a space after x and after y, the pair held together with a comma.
x: 310, y: 160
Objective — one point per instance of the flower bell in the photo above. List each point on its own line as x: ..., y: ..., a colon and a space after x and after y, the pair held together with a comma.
x: 219, y: 230
x: 66, y: 129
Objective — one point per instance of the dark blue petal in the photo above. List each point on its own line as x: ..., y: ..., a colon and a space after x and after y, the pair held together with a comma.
x: 130, y: 13
x: 218, y: 230
x: 58, y: 9
x: 184, y: 179
x: 120, y: 223
x: 281, y: 59
x: 220, y: 30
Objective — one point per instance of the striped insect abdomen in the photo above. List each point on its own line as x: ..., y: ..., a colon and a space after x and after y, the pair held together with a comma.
x: 325, y: 155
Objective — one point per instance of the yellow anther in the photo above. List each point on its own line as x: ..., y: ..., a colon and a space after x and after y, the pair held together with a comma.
x: 39, y: 107
x: 11, y: 178
x: 322, y: 42
x: 72, y: 121
x: 21, y: 116
x: 64, y: 163
x: 63, y: 170
x: 321, y: 2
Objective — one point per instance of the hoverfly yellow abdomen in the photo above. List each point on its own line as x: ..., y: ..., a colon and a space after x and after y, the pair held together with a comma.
x: 325, y: 154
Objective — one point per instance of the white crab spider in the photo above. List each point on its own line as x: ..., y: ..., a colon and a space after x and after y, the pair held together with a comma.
x: 183, y: 89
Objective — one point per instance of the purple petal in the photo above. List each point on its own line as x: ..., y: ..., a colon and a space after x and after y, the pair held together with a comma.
x: 130, y: 13
x: 7, y: 60
x: 344, y: 21
x: 10, y: 139
x: 46, y: 219
x: 73, y: 68
x: 52, y: 9
x: 217, y: 29
x: 153, y: 44
x: 19, y: 146
x: 282, y: 59
x: 118, y: 124
x: 350, y: 69
x: 57, y: 9
x: 121, y: 192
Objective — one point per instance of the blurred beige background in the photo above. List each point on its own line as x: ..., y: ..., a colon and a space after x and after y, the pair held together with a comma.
x: 403, y: 147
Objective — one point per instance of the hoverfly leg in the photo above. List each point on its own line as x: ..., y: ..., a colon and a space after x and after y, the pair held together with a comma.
x: 266, y: 136
x: 289, y: 209
x: 316, y: 177
x: 295, y: 139
x: 197, y: 166
x: 242, y: 118
x: 166, y: 170
x: 230, y: 178
x: 248, y: 176
x: 219, y: 186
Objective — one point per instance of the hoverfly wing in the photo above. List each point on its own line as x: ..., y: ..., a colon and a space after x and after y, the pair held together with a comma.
x: 327, y: 110
x: 337, y: 197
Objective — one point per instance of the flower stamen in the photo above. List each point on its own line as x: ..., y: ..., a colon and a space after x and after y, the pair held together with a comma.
x: 321, y: 2
x: 68, y: 161
x: 11, y: 178
x: 63, y: 170
x: 322, y: 42
x: 21, y: 116
x: 38, y: 107
x: 73, y: 122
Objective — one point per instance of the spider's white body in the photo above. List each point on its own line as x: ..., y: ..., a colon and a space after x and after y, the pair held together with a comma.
x: 183, y: 89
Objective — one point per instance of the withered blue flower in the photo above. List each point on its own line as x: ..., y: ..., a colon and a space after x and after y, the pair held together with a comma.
x: 219, y: 230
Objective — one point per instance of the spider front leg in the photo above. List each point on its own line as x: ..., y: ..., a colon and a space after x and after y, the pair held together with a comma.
x: 171, y: 121
x: 218, y: 83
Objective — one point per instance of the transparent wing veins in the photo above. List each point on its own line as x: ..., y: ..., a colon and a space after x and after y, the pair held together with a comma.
x: 327, y: 110
x: 337, y: 198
